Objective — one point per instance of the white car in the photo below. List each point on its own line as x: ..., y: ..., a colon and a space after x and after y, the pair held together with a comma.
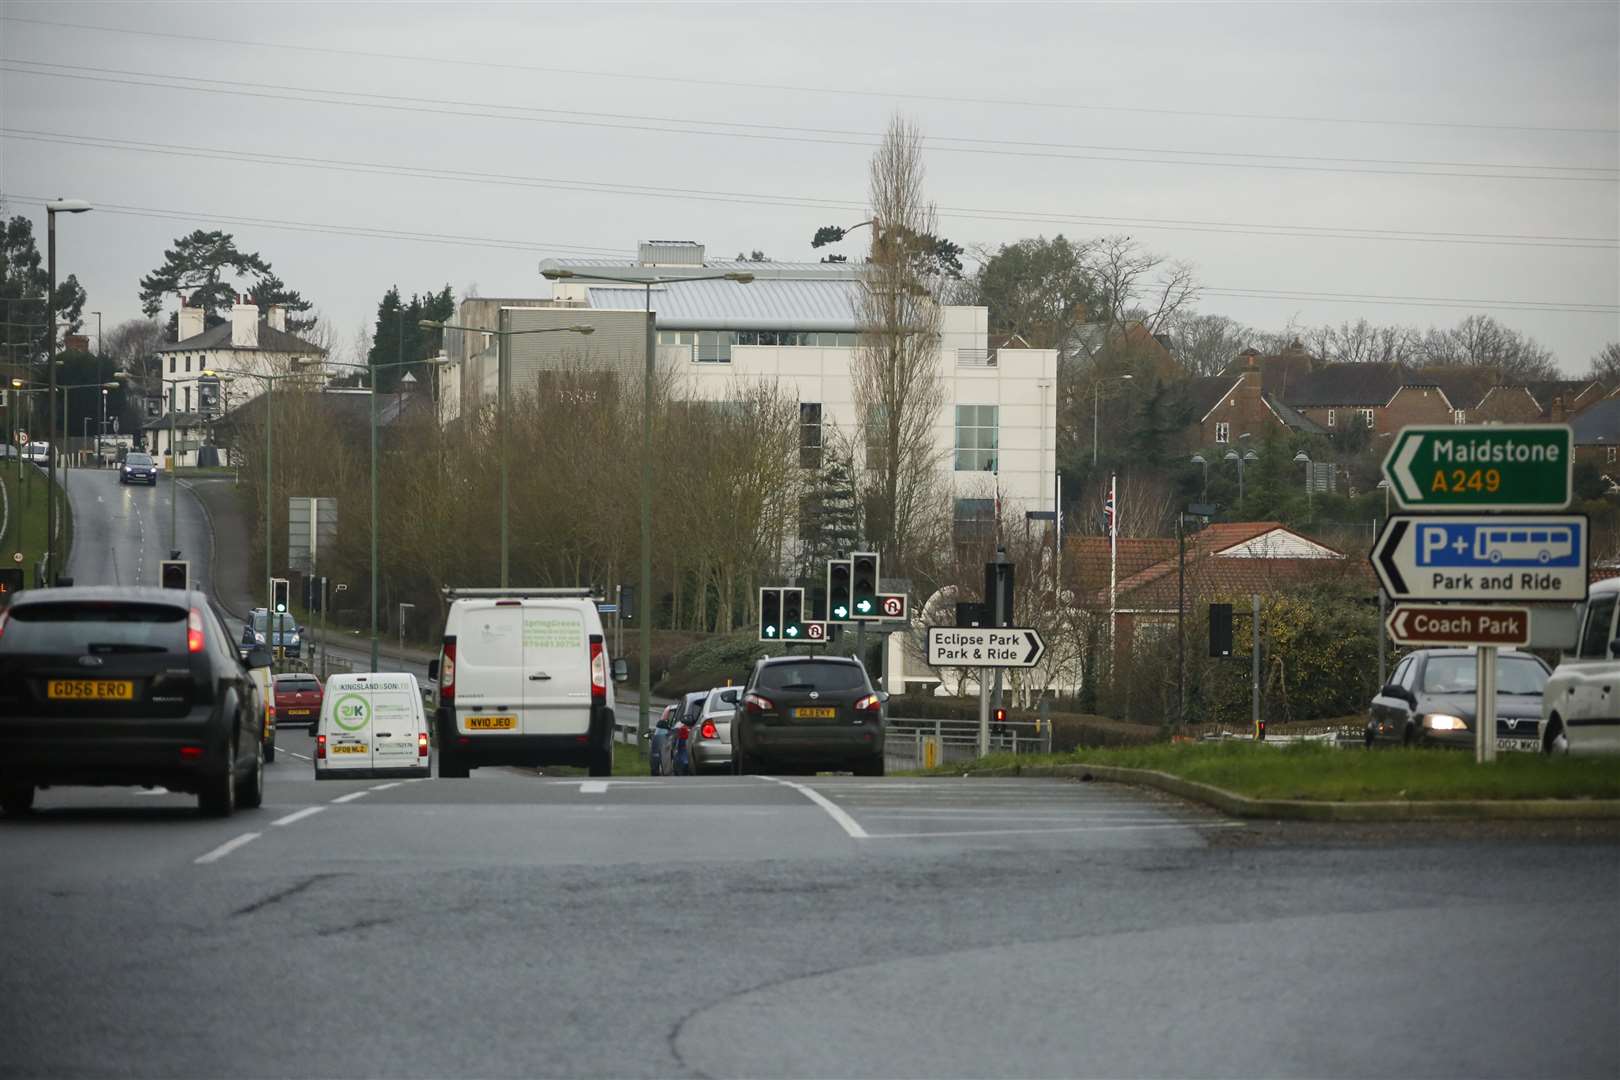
x: 524, y: 679
x: 372, y: 724
x: 1580, y: 708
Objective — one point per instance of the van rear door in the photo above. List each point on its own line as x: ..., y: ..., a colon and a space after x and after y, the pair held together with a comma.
x: 349, y: 726
x: 489, y: 668
x: 556, y: 670
x: 393, y: 722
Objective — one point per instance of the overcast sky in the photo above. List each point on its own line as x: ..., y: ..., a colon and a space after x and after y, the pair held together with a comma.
x: 581, y: 128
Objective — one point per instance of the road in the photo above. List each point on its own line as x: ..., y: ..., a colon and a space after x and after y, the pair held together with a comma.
x: 121, y: 533
x: 520, y: 925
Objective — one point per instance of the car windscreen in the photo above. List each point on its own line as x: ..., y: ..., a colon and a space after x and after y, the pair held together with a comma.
x: 284, y: 622
x: 137, y: 459
x: 1456, y: 675
x: 95, y: 627
x: 812, y: 675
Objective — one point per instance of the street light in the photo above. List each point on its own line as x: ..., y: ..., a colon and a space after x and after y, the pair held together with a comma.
x: 1199, y: 459
x: 504, y: 390
x: 52, y: 208
x: 376, y: 648
x: 1248, y: 456
x: 741, y: 277
x: 1302, y: 458
x: 1096, y: 393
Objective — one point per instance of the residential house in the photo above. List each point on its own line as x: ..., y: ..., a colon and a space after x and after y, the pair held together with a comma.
x: 1234, y: 406
x: 1130, y: 343
x: 238, y: 350
x: 794, y: 327
x: 1597, y: 437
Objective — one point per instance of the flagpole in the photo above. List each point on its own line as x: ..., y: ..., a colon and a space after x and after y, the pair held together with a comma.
x: 1113, y: 559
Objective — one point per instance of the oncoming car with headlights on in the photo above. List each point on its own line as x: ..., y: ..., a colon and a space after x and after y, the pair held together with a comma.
x: 1430, y: 700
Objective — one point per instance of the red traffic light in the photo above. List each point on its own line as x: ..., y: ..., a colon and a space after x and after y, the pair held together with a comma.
x: 1001, y: 716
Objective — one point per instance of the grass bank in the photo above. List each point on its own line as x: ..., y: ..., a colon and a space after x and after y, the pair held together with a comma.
x: 1314, y: 772
x: 26, y: 502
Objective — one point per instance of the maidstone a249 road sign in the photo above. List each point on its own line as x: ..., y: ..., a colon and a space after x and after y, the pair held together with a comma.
x: 1485, y: 467
x: 1517, y: 557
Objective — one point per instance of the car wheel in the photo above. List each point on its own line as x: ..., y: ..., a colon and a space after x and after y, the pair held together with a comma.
x: 1556, y: 744
x: 250, y: 795
x: 17, y: 799
x: 218, y: 795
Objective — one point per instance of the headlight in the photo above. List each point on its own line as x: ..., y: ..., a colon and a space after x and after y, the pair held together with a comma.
x: 295, y: 639
x: 1442, y: 722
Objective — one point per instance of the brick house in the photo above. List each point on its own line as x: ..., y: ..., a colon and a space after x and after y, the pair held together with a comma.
x: 1226, y: 408
x: 1597, y: 436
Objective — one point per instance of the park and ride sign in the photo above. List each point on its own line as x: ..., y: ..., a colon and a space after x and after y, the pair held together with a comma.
x: 1482, y: 467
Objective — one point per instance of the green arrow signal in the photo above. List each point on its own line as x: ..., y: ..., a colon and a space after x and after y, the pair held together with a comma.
x: 864, y: 606
x: 841, y: 611
x: 770, y: 631
x: 792, y: 631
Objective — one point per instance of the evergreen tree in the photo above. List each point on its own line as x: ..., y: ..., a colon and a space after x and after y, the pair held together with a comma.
x: 24, y: 281
x: 831, y: 523
x: 209, y: 269
x: 399, y: 336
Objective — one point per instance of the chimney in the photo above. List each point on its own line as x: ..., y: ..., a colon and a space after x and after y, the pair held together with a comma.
x: 277, y: 317
x: 1559, y: 412
x: 245, y: 324
x: 191, y: 320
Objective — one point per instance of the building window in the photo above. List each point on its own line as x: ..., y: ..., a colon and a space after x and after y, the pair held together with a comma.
x: 1368, y: 417
x: 714, y: 346
x: 1459, y: 416
x: 188, y: 361
x: 1333, y: 418
x: 809, y: 434
x: 974, y: 520
x: 977, y: 439
x: 1223, y: 431
x: 1611, y: 454
x: 188, y: 399
x: 171, y: 363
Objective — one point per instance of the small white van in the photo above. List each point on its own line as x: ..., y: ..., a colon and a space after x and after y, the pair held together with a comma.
x: 524, y: 679
x: 1580, y: 708
x: 372, y: 725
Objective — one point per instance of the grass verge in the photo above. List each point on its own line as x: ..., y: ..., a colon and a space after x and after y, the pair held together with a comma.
x: 26, y: 502
x: 1320, y: 773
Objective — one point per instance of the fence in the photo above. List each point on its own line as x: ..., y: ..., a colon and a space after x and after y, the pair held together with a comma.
x: 923, y: 744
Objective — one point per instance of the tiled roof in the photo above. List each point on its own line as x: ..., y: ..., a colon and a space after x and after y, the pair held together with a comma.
x: 1085, y: 558
x: 1347, y: 384
x: 1209, y: 577
x: 1464, y: 389
x: 1599, y: 423
x: 1206, y: 391
x: 1568, y: 389
x: 219, y: 337
x: 1296, y: 420
x: 1149, y: 585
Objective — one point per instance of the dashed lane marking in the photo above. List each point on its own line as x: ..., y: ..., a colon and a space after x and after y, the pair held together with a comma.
x: 298, y: 815
x: 351, y: 796
x: 385, y: 787
x: 593, y: 787
x: 226, y: 848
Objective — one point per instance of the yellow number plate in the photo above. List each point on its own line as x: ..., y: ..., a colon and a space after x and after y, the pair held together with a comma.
x: 490, y: 723
x: 90, y: 690
x: 348, y: 749
x: 815, y: 714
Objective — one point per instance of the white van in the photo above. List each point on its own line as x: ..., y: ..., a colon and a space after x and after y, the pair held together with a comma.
x: 372, y: 725
x: 1580, y: 707
x: 524, y: 679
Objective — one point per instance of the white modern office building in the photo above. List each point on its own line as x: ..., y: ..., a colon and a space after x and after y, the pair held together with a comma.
x: 794, y: 326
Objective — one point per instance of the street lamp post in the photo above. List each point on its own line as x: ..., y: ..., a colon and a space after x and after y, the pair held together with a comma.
x: 376, y: 648
x: 741, y: 277
x: 1248, y: 456
x: 52, y: 208
x: 1302, y: 458
x: 1096, y: 396
x: 1199, y: 459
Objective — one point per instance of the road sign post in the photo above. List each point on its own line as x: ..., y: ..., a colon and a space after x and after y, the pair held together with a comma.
x: 1482, y: 467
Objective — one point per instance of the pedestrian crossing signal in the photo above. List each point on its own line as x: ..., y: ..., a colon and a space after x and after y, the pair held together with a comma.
x: 770, y: 614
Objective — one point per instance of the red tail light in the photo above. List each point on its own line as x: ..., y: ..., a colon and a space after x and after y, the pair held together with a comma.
x: 320, y: 746
x: 755, y: 704
x: 871, y: 703
x: 421, y: 744
x: 709, y: 731
x: 681, y: 732
x: 447, y: 672
x: 194, y: 631
x: 598, y: 670
x: 191, y: 753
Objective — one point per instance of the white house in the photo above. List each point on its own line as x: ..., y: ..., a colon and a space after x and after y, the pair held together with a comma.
x: 795, y: 325
x: 236, y: 350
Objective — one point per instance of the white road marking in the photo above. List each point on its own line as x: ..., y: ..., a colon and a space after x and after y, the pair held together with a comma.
x: 1073, y: 829
x: 385, y: 787
x: 300, y: 757
x: 226, y: 848
x: 834, y: 811
x: 154, y: 791
x: 593, y: 787
x: 298, y: 815
x: 351, y: 796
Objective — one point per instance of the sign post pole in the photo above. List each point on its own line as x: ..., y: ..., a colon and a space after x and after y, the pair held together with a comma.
x: 1485, y: 694
x: 984, y: 711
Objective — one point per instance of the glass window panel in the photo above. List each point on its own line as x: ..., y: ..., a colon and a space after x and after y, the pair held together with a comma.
x: 846, y: 341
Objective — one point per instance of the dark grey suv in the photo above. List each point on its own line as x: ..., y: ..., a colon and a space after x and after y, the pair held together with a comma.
x: 808, y: 714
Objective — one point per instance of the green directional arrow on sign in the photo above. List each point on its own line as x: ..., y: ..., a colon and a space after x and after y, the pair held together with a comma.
x: 1482, y: 467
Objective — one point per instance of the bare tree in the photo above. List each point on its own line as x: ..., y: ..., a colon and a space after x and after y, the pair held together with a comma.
x: 898, y: 393
x: 1362, y: 342
x: 1481, y: 342
x: 1206, y: 344
x: 132, y: 342
x: 1139, y: 285
x: 1605, y: 366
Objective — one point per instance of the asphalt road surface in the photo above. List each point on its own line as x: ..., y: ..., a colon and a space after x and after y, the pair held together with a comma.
x: 522, y: 925
x: 121, y: 533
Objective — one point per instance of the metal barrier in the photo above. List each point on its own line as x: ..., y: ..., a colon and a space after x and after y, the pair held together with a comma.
x: 925, y: 744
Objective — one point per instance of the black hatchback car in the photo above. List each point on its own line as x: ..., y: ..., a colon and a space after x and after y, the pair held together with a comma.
x: 104, y: 685
x: 138, y: 468
x: 1431, y: 700
x: 806, y: 714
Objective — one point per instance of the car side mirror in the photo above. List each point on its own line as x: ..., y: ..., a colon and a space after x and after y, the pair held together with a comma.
x: 433, y: 669
x: 260, y: 658
x: 729, y: 697
x: 621, y: 670
x: 1395, y: 691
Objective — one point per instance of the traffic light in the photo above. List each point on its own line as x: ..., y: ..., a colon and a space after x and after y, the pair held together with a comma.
x: 998, y: 722
x: 1260, y: 730
x: 839, y: 597
x: 864, y: 584
x: 280, y: 594
x: 793, y: 615
x: 770, y: 614
x: 174, y: 574
x: 314, y: 593
x: 1220, y: 629
x: 998, y: 584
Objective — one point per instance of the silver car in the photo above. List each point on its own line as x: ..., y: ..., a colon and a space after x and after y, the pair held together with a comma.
x: 711, y: 741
